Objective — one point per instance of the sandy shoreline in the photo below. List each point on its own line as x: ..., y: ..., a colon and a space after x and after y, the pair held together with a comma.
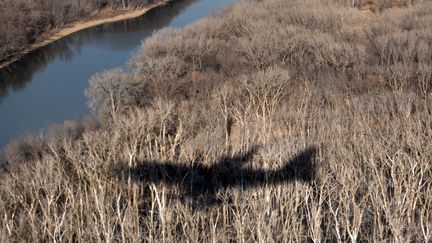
x: 78, y: 26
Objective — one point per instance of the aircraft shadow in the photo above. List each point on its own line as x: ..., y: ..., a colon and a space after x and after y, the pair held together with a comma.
x: 201, y: 183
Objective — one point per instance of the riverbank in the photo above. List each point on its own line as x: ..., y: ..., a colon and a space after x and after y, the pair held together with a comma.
x: 100, y: 18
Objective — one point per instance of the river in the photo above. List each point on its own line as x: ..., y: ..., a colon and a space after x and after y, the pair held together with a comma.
x: 47, y: 86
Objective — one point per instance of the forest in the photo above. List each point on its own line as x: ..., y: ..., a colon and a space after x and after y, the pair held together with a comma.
x: 272, y: 121
x: 25, y: 21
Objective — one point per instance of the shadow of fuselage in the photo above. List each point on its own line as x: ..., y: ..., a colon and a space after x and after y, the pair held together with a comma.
x: 198, y: 181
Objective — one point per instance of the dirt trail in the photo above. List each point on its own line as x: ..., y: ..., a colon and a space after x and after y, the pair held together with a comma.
x: 78, y: 26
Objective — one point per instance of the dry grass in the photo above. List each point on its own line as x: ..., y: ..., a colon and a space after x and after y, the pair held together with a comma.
x: 357, y: 89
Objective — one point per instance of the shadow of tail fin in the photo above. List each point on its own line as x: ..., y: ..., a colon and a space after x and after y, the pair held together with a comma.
x: 301, y: 168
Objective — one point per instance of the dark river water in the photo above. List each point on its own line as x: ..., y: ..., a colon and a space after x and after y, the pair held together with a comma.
x: 47, y: 86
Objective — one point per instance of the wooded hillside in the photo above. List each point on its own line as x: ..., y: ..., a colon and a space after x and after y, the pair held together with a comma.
x: 275, y: 121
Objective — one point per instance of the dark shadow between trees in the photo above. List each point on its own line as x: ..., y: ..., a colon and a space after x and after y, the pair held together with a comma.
x: 202, y: 183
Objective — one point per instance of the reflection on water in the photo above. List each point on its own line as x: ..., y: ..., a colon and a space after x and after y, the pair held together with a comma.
x: 16, y: 76
x: 47, y: 85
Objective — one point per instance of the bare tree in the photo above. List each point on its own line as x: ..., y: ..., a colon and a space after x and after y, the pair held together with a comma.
x: 106, y: 91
